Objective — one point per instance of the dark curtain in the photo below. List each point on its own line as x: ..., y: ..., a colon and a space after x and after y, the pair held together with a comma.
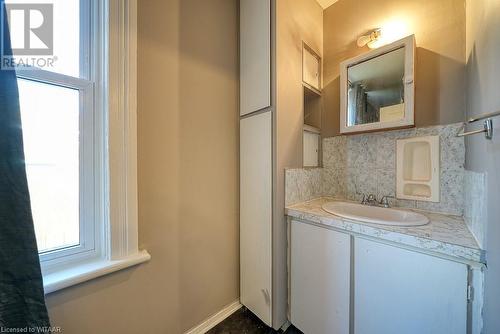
x: 360, y: 104
x: 22, y: 304
x: 360, y: 111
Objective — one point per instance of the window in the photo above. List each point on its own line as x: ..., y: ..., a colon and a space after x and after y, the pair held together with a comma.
x: 60, y: 119
x: 52, y: 146
x: 80, y: 166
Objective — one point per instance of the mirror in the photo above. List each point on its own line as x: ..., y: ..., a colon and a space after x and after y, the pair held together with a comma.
x: 378, y: 89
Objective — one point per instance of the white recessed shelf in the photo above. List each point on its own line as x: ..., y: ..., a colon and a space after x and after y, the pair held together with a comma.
x: 418, y: 168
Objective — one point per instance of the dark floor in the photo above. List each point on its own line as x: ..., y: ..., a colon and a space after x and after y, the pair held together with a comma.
x: 244, y: 321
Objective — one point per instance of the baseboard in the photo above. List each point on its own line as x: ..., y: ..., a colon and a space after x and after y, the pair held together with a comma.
x: 215, y: 319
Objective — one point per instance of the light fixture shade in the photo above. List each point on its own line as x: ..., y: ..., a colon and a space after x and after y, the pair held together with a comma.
x: 370, y: 39
x: 376, y: 43
x: 363, y: 40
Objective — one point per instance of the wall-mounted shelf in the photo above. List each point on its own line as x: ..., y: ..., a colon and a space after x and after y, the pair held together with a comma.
x: 310, y: 90
x: 312, y: 107
x: 311, y: 82
x: 312, y: 129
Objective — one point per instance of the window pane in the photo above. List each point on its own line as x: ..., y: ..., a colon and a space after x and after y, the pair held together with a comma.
x: 50, y: 120
x: 65, y: 34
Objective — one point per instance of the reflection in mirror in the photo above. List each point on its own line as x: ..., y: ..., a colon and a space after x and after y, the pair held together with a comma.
x: 376, y: 89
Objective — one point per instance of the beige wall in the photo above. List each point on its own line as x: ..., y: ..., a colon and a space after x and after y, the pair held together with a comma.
x: 296, y: 21
x: 483, y: 73
x: 188, y: 179
x: 439, y: 28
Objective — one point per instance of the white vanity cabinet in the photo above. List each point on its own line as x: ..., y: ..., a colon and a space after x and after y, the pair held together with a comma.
x: 320, y: 279
x: 341, y: 283
x: 400, y: 291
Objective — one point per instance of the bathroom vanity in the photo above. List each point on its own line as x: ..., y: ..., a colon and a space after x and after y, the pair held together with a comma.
x: 326, y: 115
x: 346, y: 276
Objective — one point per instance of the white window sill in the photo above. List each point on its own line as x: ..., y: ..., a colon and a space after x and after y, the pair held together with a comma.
x: 89, y: 270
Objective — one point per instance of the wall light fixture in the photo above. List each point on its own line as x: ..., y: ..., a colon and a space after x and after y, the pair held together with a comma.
x: 370, y: 39
x: 389, y: 32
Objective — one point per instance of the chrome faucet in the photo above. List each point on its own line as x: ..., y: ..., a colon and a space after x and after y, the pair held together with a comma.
x: 384, y: 201
x: 370, y: 200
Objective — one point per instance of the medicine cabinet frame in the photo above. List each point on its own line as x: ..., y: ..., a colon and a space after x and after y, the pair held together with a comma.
x: 409, y: 90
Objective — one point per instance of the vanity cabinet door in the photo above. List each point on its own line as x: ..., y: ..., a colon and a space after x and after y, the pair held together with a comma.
x: 319, y: 279
x: 399, y: 291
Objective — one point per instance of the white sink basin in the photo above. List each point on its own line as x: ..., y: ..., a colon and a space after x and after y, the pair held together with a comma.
x: 375, y: 215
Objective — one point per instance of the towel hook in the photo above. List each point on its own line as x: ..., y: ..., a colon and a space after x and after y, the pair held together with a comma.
x: 487, y: 125
x: 487, y: 130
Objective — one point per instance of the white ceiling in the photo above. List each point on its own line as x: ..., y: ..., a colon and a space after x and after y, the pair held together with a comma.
x: 326, y: 3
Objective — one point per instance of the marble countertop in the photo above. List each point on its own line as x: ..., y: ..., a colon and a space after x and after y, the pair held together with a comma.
x: 444, y: 234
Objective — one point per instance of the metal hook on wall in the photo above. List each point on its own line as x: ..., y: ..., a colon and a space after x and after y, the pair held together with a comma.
x: 487, y: 125
x: 487, y: 130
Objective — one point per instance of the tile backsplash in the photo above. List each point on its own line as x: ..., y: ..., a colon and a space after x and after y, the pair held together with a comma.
x: 303, y: 184
x: 475, y: 204
x: 366, y: 164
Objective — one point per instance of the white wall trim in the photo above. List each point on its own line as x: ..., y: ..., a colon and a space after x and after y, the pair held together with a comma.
x: 215, y: 319
x: 122, y: 76
x: 88, y: 270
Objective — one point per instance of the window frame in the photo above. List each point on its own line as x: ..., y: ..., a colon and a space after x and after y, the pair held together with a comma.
x: 91, y: 139
x: 111, y: 89
x: 88, y: 215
